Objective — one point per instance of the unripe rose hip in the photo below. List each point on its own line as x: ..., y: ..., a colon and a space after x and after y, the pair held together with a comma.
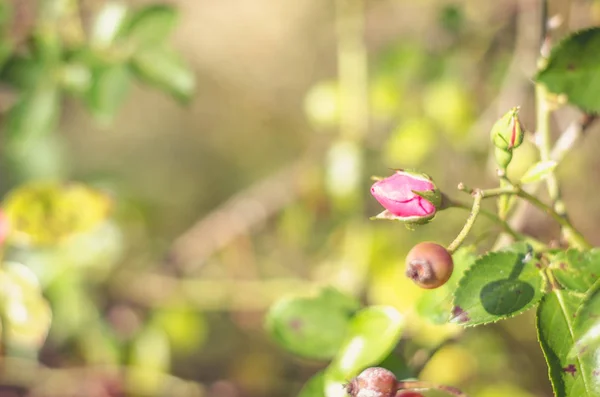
x: 429, y: 265
x: 373, y: 382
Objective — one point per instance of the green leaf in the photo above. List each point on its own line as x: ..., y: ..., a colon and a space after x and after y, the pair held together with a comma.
x: 34, y: 116
x: 538, y: 171
x: 312, y: 326
x: 151, y: 26
x: 436, y: 304
x: 314, y: 387
x: 587, y: 337
x: 570, y: 374
x: 573, y: 69
x: 372, y: 335
x: 499, y: 285
x: 108, y: 92
x: 576, y: 270
x: 166, y: 70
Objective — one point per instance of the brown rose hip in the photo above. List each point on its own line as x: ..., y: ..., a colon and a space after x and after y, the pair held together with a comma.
x: 429, y: 265
x: 373, y: 382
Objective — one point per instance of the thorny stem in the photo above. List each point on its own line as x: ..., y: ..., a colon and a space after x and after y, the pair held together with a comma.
x: 502, y: 223
x: 477, y: 197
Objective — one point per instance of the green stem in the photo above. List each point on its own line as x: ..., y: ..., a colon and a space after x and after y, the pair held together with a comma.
x: 536, y: 244
x: 575, y: 238
x: 468, y: 224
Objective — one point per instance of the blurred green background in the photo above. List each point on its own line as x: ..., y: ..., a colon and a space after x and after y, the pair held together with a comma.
x: 253, y: 183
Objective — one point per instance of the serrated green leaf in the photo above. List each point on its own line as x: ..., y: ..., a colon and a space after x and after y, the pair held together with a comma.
x: 312, y: 326
x: 586, y: 330
x: 166, y: 70
x: 569, y: 374
x: 573, y: 69
x: 576, y: 270
x: 314, y: 387
x: 498, y: 285
x: 436, y: 304
x: 151, y: 26
x: 538, y: 171
x: 108, y: 92
x: 372, y: 334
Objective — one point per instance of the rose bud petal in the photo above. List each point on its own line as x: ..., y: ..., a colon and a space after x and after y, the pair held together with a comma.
x: 407, y: 197
x: 508, y: 132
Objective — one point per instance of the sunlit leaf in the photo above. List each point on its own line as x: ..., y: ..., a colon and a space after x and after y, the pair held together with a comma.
x: 151, y: 25
x: 166, y: 70
x: 110, y: 86
x: 538, y: 171
x: 373, y: 333
x: 109, y: 21
x: 576, y: 270
x: 497, y: 286
x: 570, y: 374
x: 573, y: 69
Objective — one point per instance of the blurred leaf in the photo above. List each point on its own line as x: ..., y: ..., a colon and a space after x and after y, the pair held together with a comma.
x: 576, y: 270
x: 322, y: 104
x: 151, y: 26
x: 45, y: 213
x: 108, y: 92
x: 410, y: 143
x: 538, y: 171
x: 314, y: 387
x: 166, y: 70
x: 109, y: 21
x: 311, y: 327
x: 436, y: 305
x: 34, y: 116
x: 525, y: 156
x: 185, y: 328
x: 448, y: 103
x: 98, y: 344
x: 573, y: 69
x: 497, y: 286
x: 76, y: 77
x: 451, y: 18
x: 74, y: 310
x: 372, y: 335
x: 343, y: 173
x: 150, y: 356
x: 570, y: 375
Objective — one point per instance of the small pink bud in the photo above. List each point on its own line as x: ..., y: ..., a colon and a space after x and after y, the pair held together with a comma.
x: 407, y: 196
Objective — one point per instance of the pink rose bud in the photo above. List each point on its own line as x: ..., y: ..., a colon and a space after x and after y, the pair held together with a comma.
x: 407, y: 197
